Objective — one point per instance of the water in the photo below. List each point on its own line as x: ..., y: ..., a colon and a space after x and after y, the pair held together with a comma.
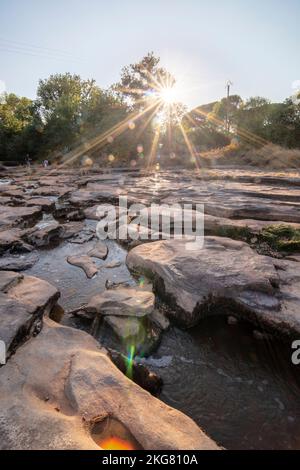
x: 243, y: 392
x: 75, y: 288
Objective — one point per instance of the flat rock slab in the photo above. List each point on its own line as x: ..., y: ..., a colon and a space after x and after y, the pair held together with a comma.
x: 23, y: 302
x: 99, y: 251
x: 84, y: 262
x: 70, y: 229
x: 193, y: 282
x: 44, y: 234
x: 9, y: 279
x: 83, y: 236
x: 11, y: 216
x: 59, y: 383
x: 15, y: 322
x: 130, y: 302
x: 36, y: 294
x: 18, y: 262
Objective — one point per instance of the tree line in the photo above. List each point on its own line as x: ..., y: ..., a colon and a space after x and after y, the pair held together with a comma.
x: 70, y: 113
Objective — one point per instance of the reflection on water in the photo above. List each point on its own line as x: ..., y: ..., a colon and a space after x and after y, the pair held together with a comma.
x: 243, y: 392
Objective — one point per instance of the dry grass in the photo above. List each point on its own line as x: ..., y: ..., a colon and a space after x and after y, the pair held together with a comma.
x: 270, y: 156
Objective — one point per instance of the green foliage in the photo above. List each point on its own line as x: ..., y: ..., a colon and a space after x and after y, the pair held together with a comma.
x: 281, y: 237
x: 70, y: 112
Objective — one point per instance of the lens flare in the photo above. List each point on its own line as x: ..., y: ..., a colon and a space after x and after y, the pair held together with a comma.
x: 115, y: 443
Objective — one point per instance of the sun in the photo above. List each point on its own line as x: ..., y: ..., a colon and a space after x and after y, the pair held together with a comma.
x: 168, y: 95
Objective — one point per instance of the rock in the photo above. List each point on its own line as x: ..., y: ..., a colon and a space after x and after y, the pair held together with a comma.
x: 36, y: 294
x: 259, y: 335
x: 76, y: 216
x: 113, y: 265
x: 83, y: 236
x: 9, y: 279
x: 128, y: 302
x: 287, y: 320
x: 11, y: 216
x: 16, y: 323
x: 114, y: 285
x: 43, y: 202
x: 84, y: 262
x: 124, y: 327
x: 63, y: 368
x: 232, y: 320
x: 11, y: 238
x: 195, y: 283
x: 18, y: 262
x: 140, y: 374
x: 100, y: 251
x: 23, y: 302
x: 56, y: 191
x: 70, y: 229
x: 44, y: 234
x: 160, y: 320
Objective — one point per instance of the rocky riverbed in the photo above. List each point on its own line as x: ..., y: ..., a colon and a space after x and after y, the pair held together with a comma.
x: 71, y: 304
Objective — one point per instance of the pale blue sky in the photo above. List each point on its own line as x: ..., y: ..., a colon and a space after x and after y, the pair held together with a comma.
x: 254, y: 43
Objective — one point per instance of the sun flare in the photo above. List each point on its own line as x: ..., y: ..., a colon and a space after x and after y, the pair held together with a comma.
x: 168, y: 95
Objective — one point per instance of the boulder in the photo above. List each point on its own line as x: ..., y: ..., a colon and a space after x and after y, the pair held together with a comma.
x: 58, y: 384
x: 194, y: 283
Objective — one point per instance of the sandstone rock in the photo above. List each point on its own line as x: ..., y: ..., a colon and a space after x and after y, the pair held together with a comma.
x: 123, y: 327
x: 11, y: 216
x: 76, y: 216
x: 23, y: 302
x: 195, y: 283
x: 84, y: 262
x: 44, y: 234
x: 140, y: 373
x: 15, y: 323
x: 10, y: 238
x: 159, y: 319
x: 99, y: 251
x: 70, y: 229
x: 113, y: 265
x: 9, y: 279
x: 36, y: 294
x: 83, y: 236
x: 43, y: 202
x: 128, y: 302
x: 63, y: 369
x: 18, y: 262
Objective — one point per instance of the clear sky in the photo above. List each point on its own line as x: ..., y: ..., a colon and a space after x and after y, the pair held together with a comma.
x: 253, y: 43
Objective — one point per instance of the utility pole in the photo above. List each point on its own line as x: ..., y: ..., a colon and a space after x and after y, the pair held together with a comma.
x: 228, y: 85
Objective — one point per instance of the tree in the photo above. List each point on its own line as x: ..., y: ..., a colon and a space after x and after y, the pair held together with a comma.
x: 142, y: 81
x: 227, y: 108
x: 18, y: 119
x: 63, y: 102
